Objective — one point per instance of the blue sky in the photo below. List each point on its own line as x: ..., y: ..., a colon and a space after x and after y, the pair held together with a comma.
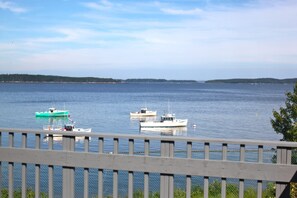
x: 189, y: 39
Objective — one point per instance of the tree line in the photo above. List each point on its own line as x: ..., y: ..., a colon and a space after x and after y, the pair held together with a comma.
x: 49, y: 78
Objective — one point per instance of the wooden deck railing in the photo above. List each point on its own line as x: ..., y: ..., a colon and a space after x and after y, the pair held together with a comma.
x: 18, y: 146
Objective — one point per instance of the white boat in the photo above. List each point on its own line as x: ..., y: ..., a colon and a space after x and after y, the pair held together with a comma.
x: 167, y: 121
x: 66, y: 127
x: 143, y: 113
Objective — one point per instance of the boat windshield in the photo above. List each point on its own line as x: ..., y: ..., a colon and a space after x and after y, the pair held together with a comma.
x: 143, y: 110
x: 167, y: 118
x: 68, y: 127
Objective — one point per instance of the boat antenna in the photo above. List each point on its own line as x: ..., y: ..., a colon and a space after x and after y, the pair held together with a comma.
x: 168, y: 106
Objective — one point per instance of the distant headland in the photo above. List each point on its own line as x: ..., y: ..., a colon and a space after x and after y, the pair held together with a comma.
x: 29, y: 78
x: 255, y: 80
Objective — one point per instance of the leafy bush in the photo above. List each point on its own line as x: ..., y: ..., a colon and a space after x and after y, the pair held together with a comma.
x: 18, y: 193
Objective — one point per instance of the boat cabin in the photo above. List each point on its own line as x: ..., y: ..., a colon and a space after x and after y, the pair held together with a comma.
x: 68, y: 127
x: 143, y: 110
x: 52, y: 109
x: 168, y: 117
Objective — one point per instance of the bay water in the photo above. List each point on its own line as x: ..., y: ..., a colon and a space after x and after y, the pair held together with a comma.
x: 217, y: 110
x: 237, y: 111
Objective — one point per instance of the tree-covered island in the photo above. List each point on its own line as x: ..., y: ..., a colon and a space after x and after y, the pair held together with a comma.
x: 27, y: 78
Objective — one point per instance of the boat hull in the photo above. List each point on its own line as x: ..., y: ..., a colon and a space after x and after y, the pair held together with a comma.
x: 59, y: 137
x: 60, y: 128
x: 52, y: 114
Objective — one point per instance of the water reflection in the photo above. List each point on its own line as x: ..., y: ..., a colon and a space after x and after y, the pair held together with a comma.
x: 143, y: 119
x: 174, y: 131
x: 52, y: 120
x: 59, y: 138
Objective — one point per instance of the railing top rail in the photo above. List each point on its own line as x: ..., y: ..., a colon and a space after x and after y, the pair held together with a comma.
x: 161, y: 138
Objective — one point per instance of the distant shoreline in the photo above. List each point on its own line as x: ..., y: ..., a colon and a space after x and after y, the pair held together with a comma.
x: 27, y: 78
x: 255, y: 81
x: 58, y: 82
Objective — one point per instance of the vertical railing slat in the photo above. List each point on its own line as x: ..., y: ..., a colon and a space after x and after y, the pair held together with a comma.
x: 0, y: 166
x: 189, y: 177
x: 10, y: 168
x: 24, y: 168
x: 259, y: 182
x: 130, y: 179
x: 115, y: 172
x: 224, y: 180
x: 206, y: 178
x: 37, y: 168
x: 163, y: 184
x: 86, y: 170
x: 50, y: 169
x: 100, y: 171
x: 171, y: 176
x: 241, y: 181
x: 146, y: 174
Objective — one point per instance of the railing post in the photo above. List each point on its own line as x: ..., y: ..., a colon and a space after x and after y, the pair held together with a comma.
x: 115, y: 172
x: 86, y: 170
x: 131, y: 173
x: 0, y: 166
x: 283, y: 157
x: 259, y: 182
x: 146, y: 174
x: 37, y: 168
x: 24, y: 168
x: 68, y: 172
x: 224, y: 180
x: 50, y: 170
x: 189, y: 177
x: 10, y: 168
x: 206, y: 178
x: 241, y: 181
x: 167, y: 182
x: 100, y: 171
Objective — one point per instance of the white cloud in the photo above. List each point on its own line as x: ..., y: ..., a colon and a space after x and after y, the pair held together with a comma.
x: 102, y: 5
x: 7, y: 5
x: 93, y: 5
x: 74, y: 35
x: 195, y: 11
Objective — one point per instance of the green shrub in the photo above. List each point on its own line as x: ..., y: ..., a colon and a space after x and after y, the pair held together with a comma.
x: 18, y: 193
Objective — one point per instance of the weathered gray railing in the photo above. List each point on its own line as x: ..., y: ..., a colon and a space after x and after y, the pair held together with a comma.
x: 167, y: 164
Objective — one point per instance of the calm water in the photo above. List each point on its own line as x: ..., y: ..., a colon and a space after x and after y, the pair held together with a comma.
x: 218, y: 110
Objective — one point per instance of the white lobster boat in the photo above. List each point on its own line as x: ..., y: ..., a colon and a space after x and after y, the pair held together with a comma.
x: 144, y: 112
x: 167, y: 121
x: 66, y: 127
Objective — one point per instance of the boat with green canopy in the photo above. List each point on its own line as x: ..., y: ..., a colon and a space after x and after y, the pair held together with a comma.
x: 52, y: 112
